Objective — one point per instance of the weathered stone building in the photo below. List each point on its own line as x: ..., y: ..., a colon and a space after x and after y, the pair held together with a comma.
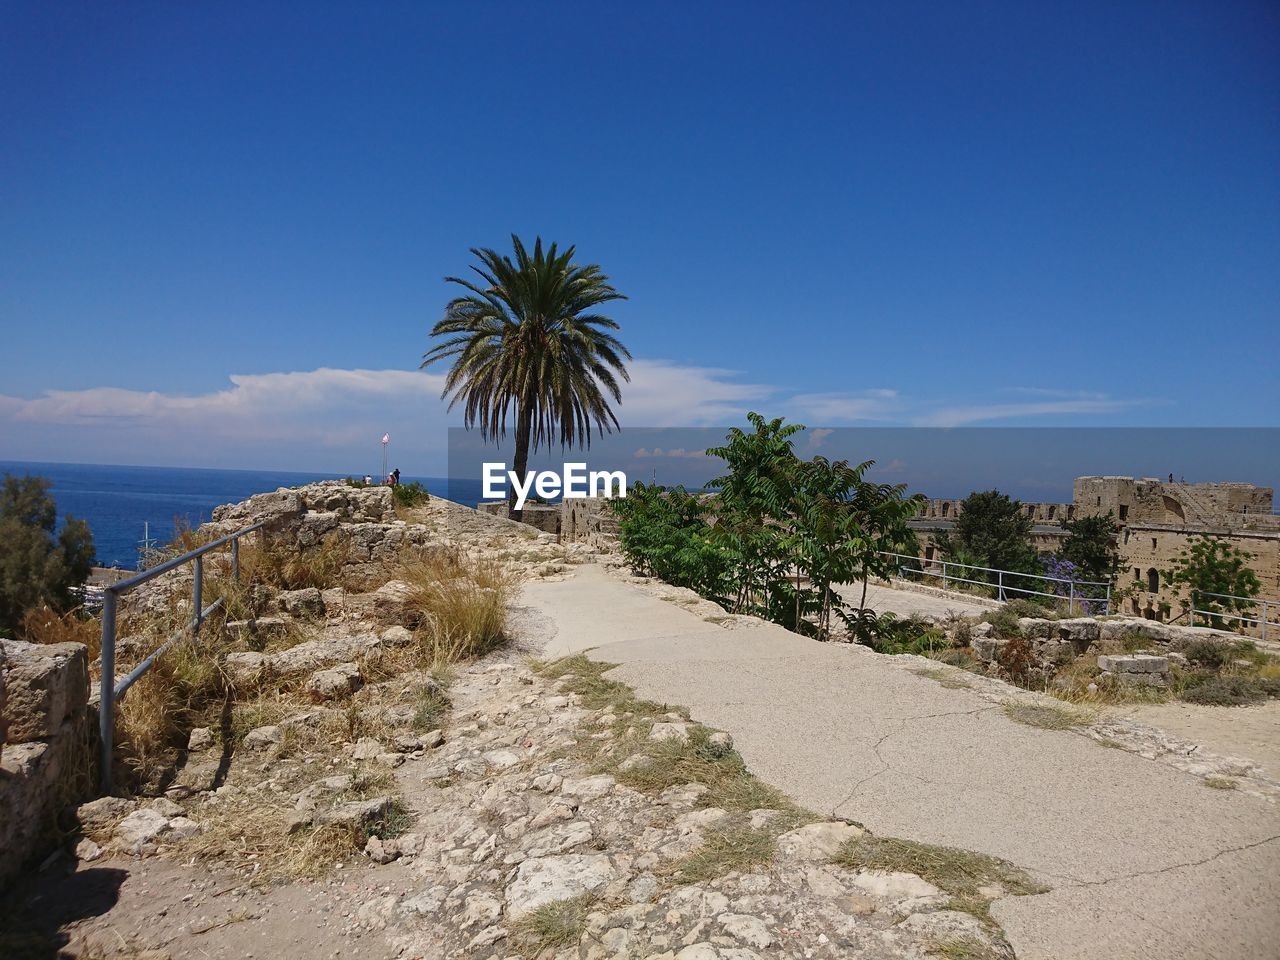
x: 1158, y: 520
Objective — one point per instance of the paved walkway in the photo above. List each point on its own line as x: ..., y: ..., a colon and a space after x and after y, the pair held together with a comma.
x: 1143, y: 860
x: 904, y: 603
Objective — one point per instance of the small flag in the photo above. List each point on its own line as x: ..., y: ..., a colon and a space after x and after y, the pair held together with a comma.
x: 386, y: 438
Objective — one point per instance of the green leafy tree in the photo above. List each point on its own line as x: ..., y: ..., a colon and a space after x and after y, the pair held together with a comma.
x: 1092, y: 545
x: 526, y: 342
x: 664, y: 533
x: 992, y: 530
x: 38, y: 566
x: 752, y: 504
x: 1209, y: 565
x: 840, y: 525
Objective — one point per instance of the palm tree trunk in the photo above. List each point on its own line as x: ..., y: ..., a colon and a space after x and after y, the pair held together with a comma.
x: 524, y: 427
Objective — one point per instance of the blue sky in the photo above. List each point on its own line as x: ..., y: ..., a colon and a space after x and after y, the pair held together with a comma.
x: 225, y: 226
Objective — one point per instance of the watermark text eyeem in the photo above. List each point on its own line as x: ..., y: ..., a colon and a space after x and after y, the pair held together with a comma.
x: 573, y: 482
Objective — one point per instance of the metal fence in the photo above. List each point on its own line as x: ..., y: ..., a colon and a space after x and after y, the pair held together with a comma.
x: 111, y: 689
x: 1083, y: 593
x: 1261, y: 621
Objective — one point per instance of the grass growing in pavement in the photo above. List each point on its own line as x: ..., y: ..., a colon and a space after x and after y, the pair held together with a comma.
x: 552, y: 925
x: 1046, y: 716
x: 951, y: 679
x: 1220, y: 783
x: 965, y: 948
x: 652, y: 766
x: 972, y: 880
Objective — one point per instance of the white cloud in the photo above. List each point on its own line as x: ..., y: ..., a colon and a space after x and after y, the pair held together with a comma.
x: 332, y: 418
x: 663, y: 394
x: 676, y: 452
x: 840, y: 408
x: 1083, y: 405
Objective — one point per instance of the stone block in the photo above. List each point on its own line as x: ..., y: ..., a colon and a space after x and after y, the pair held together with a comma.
x: 987, y: 649
x: 1138, y: 663
x: 45, y: 686
x: 306, y: 602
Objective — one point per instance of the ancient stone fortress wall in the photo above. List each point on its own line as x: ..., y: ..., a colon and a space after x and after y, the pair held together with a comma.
x: 580, y: 520
x: 1158, y: 519
x: 546, y: 517
x: 46, y: 746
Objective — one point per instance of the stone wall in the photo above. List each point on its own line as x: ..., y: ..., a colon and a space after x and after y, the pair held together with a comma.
x: 1158, y: 520
x: 361, y: 521
x: 542, y: 516
x: 46, y: 745
x: 580, y: 520
x: 589, y: 520
x: 1055, y: 643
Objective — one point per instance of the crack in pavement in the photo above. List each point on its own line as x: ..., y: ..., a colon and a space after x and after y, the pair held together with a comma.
x: 901, y: 728
x: 1075, y: 882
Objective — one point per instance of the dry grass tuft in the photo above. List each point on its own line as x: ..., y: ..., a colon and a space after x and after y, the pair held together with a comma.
x: 965, y: 948
x: 47, y: 626
x: 551, y: 926
x: 1220, y: 783
x: 736, y: 848
x: 287, y: 566
x: 951, y: 679
x: 1046, y: 716
x: 185, y: 688
x: 458, y: 602
x: 972, y: 880
x: 259, y: 843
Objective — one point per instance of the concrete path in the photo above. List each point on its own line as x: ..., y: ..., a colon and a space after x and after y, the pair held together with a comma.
x: 905, y: 603
x: 1143, y: 861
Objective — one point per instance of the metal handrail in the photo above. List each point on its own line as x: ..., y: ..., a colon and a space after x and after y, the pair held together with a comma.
x: 1002, y: 588
x: 1260, y: 621
x: 110, y: 689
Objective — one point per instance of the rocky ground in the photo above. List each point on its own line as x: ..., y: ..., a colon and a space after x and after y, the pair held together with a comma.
x: 504, y: 837
x: 359, y: 804
x: 355, y: 800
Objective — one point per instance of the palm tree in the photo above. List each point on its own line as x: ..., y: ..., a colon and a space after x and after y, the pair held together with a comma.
x: 526, y: 342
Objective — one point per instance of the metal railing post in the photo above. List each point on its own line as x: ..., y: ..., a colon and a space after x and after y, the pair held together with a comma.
x: 1264, y: 620
x: 1000, y: 585
x: 1108, y: 606
x: 944, y: 574
x: 107, y: 690
x: 197, y: 595
x: 1071, y: 598
x: 235, y: 561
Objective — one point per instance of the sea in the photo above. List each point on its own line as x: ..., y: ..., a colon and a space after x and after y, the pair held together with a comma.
x: 123, y: 504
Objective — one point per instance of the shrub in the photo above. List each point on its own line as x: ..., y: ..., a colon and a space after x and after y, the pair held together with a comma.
x: 663, y: 534
x: 1017, y: 659
x: 1231, y: 691
x: 1005, y: 622
x: 1207, y: 653
x: 1023, y: 607
x: 911, y: 634
x: 412, y: 494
